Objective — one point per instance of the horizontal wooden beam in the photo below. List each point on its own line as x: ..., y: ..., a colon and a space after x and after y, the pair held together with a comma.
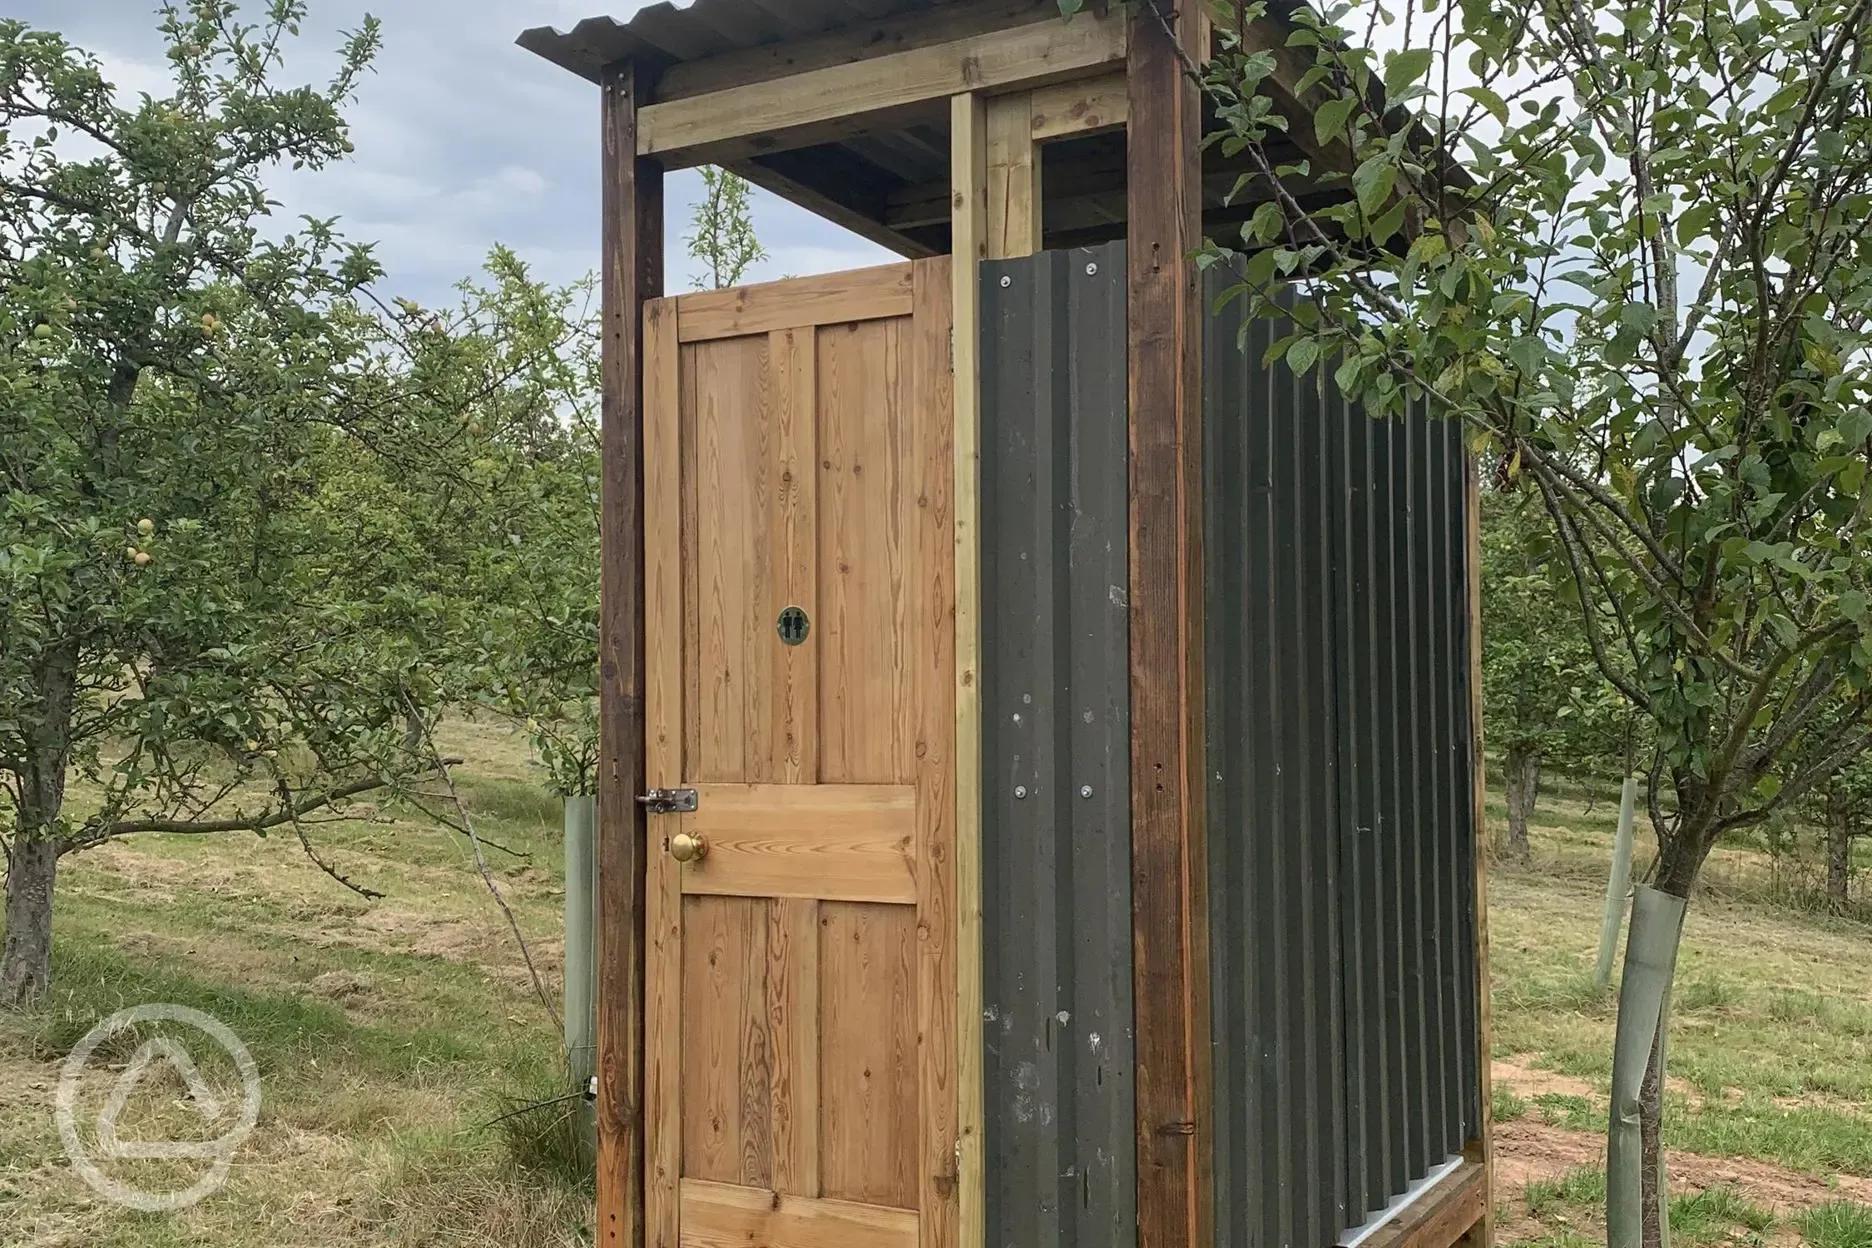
x: 1442, y: 1215
x: 829, y: 299
x: 823, y: 105
x: 1086, y: 106
x: 901, y: 32
x: 727, y: 1215
x: 1070, y: 188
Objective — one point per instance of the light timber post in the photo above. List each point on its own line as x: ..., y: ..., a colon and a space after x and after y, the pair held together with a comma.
x: 1013, y: 178
x: 1481, y: 1147
x: 968, y: 164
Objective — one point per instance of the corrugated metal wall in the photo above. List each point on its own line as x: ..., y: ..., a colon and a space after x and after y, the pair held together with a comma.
x: 1056, y: 869
x: 1341, y: 877
x: 1341, y: 870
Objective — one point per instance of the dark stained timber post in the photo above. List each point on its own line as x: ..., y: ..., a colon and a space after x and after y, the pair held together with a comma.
x: 1169, y: 857
x: 632, y: 200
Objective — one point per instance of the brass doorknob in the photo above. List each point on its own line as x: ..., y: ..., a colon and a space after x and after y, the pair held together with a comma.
x: 688, y: 847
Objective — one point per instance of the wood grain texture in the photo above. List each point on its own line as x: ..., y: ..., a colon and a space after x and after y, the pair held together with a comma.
x: 1082, y: 106
x: 809, y: 979
x: 820, y: 105
x: 726, y: 388
x: 793, y: 535
x: 664, y: 694
x: 690, y: 544
x: 1441, y: 1216
x: 1480, y: 1149
x: 836, y: 842
x: 793, y: 1023
x: 857, y: 295
x: 717, y: 1215
x: 632, y: 237
x: 901, y: 32
x: 726, y: 1088
x: 932, y: 619
x: 1169, y: 855
x: 868, y: 1053
x: 1013, y: 178
x: 865, y: 695
x: 968, y: 159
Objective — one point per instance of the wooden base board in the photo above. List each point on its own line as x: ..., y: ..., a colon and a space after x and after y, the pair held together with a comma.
x: 1443, y: 1216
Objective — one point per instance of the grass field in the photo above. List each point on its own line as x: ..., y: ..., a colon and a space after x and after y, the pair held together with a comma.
x: 390, y: 1033
x: 1769, y: 1117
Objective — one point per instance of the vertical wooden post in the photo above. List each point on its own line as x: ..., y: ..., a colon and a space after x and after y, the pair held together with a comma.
x: 968, y: 155
x: 1013, y: 178
x: 1482, y: 1147
x: 632, y: 199
x: 1169, y: 854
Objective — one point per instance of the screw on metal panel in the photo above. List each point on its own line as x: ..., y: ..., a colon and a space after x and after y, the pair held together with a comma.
x: 1091, y: 270
x: 1020, y: 790
x: 1085, y: 790
x: 1006, y: 281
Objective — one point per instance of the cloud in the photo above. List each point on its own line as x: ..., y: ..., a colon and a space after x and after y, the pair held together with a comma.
x: 463, y: 140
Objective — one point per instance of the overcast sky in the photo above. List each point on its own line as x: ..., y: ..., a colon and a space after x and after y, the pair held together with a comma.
x: 463, y: 140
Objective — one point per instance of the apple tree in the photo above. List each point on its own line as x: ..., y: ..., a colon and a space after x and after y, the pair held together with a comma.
x: 209, y: 436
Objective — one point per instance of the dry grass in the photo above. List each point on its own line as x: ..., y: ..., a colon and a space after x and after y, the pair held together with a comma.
x: 386, y: 1033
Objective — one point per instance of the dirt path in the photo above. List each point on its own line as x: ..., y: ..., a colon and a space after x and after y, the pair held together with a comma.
x: 1526, y: 1152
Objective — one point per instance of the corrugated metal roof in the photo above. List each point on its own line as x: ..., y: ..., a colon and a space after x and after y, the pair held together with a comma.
x: 664, y: 34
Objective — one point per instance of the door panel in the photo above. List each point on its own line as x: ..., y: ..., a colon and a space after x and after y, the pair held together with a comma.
x: 845, y: 842
x: 801, y: 979
x: 867, y: 989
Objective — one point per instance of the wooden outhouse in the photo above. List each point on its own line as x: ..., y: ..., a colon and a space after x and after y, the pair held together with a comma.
x: 1041, y: 784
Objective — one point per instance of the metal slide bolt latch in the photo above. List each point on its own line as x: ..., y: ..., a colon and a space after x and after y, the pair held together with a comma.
x: 668, y: 801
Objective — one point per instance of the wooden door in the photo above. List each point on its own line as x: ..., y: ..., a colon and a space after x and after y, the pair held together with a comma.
x: 800, y: 1016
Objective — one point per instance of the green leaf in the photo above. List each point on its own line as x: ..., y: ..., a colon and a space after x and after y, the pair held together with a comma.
x: 1348, y: 373
x: 1403, y: 69
x: 1301, y: 355
x: 1695, y: 222
x: 1390, y: 223
x: 1855, y: 426
x: 1267, y: 222
x: 1329, y: 122
x: 1372, y: 181
x: 1496, y: 106
x: 1259, y: 270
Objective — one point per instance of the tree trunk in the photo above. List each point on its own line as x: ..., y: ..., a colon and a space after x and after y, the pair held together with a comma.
x: 1523, y: 767
x: 32, y: 859
x: 1839, y: 856
x: 1680, y: 861
x: 1634, y: 1177
x: 26, y: 962
x: 1651, y: 1133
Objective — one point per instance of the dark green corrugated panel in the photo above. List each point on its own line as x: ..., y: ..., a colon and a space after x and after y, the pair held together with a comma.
x: 1056, y: 853
x: 1341, y: 869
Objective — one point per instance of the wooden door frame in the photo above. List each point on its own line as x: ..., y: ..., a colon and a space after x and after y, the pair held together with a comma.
x: 1169, y: 852
x: 632, y: 267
